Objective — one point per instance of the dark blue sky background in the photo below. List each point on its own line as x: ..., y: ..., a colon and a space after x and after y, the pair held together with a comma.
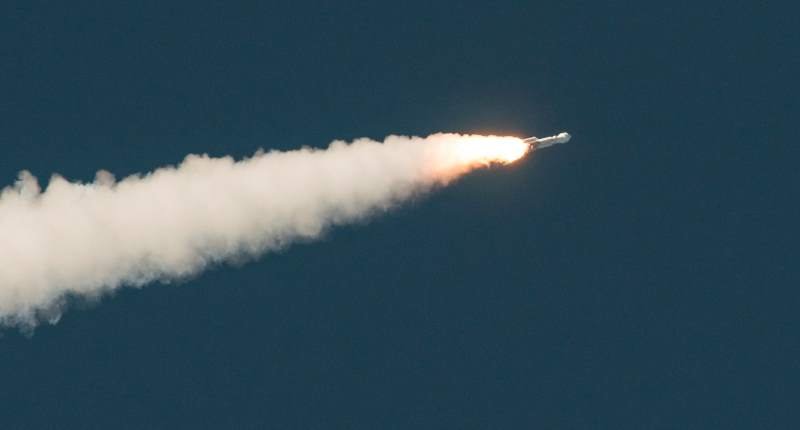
x: 643, y: 276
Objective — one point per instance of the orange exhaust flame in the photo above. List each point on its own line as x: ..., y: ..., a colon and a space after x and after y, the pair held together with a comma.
x: 491, y: 149
x: 457, y: 154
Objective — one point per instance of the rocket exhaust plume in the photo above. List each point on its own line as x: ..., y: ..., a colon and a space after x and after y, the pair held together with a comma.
x: 86, y: 239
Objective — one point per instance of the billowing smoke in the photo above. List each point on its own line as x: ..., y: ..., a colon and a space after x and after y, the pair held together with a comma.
x: 86, y: 239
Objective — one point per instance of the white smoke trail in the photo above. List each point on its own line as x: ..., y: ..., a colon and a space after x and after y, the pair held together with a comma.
x: 83, y: 240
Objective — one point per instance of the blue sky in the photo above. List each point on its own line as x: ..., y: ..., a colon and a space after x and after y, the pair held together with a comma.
x: 639, y: 277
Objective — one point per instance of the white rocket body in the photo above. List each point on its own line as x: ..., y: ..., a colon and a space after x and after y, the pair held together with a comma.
x: 544, y: 142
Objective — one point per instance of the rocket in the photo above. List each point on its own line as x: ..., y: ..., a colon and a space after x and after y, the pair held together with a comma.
x: 544, y: 142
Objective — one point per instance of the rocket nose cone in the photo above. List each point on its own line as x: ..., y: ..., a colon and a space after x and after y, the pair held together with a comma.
x: 564, y: 137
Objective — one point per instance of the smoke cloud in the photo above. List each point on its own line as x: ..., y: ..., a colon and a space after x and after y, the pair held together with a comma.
x: 87, y: 239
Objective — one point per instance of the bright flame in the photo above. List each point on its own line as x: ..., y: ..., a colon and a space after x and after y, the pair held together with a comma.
x: 457, y: 154
x: 485, y: 150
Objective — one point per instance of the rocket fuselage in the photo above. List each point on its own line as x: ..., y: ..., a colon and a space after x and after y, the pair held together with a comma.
x: 544, y: 142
